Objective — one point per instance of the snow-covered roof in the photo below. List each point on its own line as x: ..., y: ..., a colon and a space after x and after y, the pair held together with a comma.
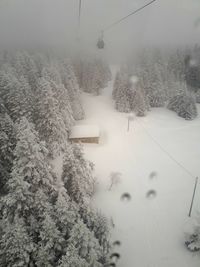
x: 84, y: 131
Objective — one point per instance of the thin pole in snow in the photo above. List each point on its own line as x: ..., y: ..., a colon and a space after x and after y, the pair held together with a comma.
x: 195, y: 187
x: 128, y: 124
x: 130, y: 118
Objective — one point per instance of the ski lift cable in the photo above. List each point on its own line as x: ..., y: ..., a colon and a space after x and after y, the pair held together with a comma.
x: 131, y: 14
x: 79, y: 14
x: 166, y: 152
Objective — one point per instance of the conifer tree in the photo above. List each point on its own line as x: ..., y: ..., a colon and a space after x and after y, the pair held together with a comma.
x: 72, y: 259
x: 25, y: 66
x: 49, y: 247
x: 86, y: 244
x: 29, y: 198
x: 176, y: 64
x: 184, y: 105
x: 49, y: 121
x: 153, y: 86
x: 41, y: 221
x: 61, y: 94
x: 197, y: 95
x: 137, y: 97
x: 67, y: 212
x: 98, y: 224
x: 87, y: 76
x: 77, y: 174
x: 16, y: 244
x: 97, y: 82
x: 116, y: 85
x: 7, y: 145
x: 28, y: 100
x: 70, y: 82
x: 122, y: 102
x: 17, y: 96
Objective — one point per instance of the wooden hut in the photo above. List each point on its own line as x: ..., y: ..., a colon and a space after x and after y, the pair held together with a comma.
x: 85, y: 134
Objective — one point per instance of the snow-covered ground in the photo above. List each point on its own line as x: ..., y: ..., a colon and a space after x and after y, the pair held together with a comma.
x: 151, y: 231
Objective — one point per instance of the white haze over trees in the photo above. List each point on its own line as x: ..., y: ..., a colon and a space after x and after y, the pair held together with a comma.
x: 55, y: 23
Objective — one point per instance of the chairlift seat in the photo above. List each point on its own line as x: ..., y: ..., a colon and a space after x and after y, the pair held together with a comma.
x: 100, y: 44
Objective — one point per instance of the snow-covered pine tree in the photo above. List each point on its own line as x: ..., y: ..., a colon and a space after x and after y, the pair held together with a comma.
x: 98, y: 224
x: 9, y: 92
x: 16, y: 243
x: 17, y: 63
x: 188, y: 109
x: 51, y: 74
x: 71, y: 84
x: 116, y: 85
x: 159, y: 59
x: 94, y: 74
x: 86, y: 244
x: 78, y: 68
x: 97, y: 82
x: 192, y: 74
x: 65, y: 108
x: 197, y: 95
x: 184, y: 105
x: 7, y: 145
x: 137, y: 97
x: 25, y: 66
x: 155, y: 87
x: 72, y: 259
x: 61, y: 94
x: 28, y: 101
x: 122, y: 100
x: 7, y: 125
x: 33, y: 210
x: 77, y: 174
x: 108, y: 72
x: 41, y: 62
x: 49, y: 121
x: 169, y: 85
x: 29, y: 198
x: 104, y: 72
x: 66, y: 210
x: 86, y: 76
x: 17, y: 96
x: 4, y: 177
x: 50, y: 241
x: 175, y: 64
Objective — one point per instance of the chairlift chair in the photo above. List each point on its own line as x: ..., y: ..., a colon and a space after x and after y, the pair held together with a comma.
x: 100, y: 42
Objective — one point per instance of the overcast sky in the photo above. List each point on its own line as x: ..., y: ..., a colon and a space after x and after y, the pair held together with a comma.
x: 165, y: 22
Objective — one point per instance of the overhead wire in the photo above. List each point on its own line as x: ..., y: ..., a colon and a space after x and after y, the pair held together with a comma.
x: 131, y: 14
x: 79, y: 15
x: 167, y: 153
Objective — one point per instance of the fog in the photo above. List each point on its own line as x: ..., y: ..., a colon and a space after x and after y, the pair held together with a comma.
x: 55, y: 23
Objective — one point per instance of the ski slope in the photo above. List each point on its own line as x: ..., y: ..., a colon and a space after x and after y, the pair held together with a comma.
x: 151, y: 230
